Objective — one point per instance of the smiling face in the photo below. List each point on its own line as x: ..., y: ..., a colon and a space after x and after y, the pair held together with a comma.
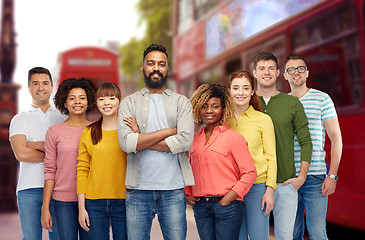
x: 76, y: 102
x: 297, y: 79
x: 155, y: 68
x: 211, y: 112
x: 108, y: 105
x: 266, y: 73
x: 40, y: 87
x: 242, y: 91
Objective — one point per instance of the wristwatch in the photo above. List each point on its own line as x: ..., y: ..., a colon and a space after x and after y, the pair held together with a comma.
x: 334, y: 177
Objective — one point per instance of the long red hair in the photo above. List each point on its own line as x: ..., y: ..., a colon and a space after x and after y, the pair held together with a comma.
x: 255, y: 101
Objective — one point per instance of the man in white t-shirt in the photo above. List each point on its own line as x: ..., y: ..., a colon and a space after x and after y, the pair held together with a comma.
x: 322, y: 118
x: 27, y: 134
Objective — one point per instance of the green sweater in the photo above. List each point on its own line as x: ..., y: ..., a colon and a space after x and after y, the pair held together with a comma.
x: 288, y: 116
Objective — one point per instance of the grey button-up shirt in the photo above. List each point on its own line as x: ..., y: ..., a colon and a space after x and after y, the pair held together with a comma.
x: 179, y: 115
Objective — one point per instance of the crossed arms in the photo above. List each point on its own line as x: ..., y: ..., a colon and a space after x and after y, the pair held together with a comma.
x: 32, y: 152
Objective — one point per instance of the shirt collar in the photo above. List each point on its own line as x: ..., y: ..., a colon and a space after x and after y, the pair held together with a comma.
x: 33, y: 109
x: 220, y: 128
x: 250, y: 111
x: 145, y: 90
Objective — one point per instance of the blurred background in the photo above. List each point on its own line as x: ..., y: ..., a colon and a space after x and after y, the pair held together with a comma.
x: 206, y: 41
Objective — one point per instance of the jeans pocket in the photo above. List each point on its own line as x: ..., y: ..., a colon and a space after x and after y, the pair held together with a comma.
x: 128, y: 190
x: 292, y: 187
x: 318, y: 178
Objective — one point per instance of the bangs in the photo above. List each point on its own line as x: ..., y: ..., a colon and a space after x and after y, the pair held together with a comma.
x: 107, y: 90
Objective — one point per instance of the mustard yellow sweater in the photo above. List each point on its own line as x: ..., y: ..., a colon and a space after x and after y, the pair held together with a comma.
x: 101, y: 168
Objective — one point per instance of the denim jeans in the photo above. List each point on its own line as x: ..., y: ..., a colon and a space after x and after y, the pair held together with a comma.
x: 215, y: 221
x: 29, y: 206
x: 67, y: 215
x: 315, y: 205
x: 285, y: 211
x: 102, y: 214
x: 170, y: 207
x: 254, y: 223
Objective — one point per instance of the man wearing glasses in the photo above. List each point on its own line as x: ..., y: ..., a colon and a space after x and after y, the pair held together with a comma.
x: 322, y: 118
x: 288, y: 116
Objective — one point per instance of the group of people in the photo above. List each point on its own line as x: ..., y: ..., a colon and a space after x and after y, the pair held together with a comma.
x: 251, y: 151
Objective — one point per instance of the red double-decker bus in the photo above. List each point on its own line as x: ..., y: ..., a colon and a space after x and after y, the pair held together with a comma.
x: 97, y: 64
x: 213, y: 38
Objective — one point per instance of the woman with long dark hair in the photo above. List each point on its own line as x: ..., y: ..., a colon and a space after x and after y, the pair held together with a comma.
x: 101, y: 171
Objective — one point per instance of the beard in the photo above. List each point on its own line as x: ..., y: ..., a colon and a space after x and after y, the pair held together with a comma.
x: 152, y: 83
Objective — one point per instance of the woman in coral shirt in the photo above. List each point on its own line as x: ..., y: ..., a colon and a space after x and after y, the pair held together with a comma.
x: 222, y: 166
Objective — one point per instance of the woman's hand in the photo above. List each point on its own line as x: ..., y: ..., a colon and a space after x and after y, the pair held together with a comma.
x: 84, y: 219
x: 228, y: 198
x: 46, y: 219
x: 191, y: 200
x: 130, y: 122
x: 268, y: 200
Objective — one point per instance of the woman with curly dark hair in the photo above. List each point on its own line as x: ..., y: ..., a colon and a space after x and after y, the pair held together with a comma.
x: 73, y: 98
x: 222, y: 166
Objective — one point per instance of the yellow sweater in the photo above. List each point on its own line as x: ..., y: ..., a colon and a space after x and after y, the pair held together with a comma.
x: 101, y: 168
x: 258, y: 130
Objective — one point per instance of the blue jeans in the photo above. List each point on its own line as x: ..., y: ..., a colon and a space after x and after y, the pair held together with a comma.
x: 102, y: 214
x: 215, y: 221
x: 170, y: 207
x: 67, y: 215
x: 315, y: 205
x: 254, y: 223
x: 29, y: 206
x: 285, y: 211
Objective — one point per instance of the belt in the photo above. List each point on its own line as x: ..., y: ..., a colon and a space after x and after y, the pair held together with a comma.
x: 210, y: 198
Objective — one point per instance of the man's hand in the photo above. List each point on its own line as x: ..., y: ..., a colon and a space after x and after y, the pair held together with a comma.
x: 295, y: 182
x: 328, y: 186
x: 36, y: 145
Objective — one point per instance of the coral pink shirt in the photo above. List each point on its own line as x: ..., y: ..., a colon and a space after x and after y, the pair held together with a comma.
x: 61, y: 150
x: 221, y: 165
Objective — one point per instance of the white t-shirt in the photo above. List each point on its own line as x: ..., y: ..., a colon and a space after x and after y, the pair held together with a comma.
x: 33, y: 123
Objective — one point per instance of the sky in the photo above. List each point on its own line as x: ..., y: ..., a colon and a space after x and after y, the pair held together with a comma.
x: 44, y: 28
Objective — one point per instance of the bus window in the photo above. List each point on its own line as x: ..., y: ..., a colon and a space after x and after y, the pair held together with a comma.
x: 330, y: 45
x: 211, y: 75
x: 277, y: 47
x: 187, y: 87
x: 186, y: 17
x: 233, y: 65
x: 202, y: 7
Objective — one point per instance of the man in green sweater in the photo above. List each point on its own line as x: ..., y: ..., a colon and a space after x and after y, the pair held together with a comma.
x: 288, y: 116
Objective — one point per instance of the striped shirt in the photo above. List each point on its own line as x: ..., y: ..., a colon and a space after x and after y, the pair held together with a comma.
x: 318, y: 107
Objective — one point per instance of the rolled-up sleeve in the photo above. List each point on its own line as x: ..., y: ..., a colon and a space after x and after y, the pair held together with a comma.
x: 182, y: 141
x: 127, y: 138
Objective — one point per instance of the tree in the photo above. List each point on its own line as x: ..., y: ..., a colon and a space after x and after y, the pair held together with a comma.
x: 156, y: 15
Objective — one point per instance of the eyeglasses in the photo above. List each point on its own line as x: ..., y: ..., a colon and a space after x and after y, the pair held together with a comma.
x: 291, y: 71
